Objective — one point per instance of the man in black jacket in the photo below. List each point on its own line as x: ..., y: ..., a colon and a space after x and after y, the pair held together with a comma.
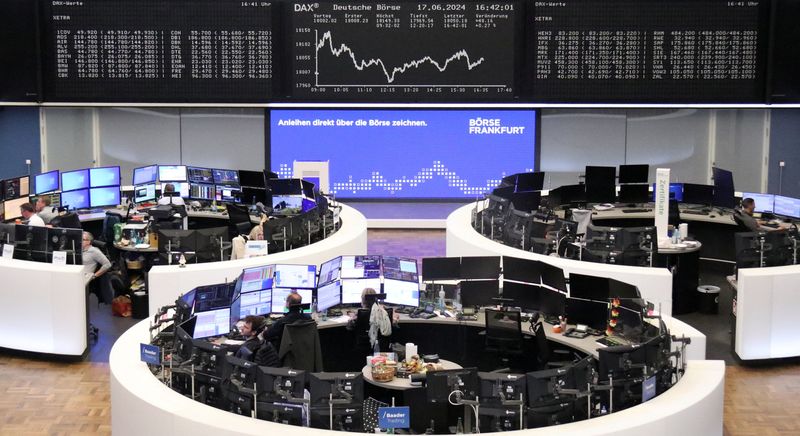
x: 255, y: 348
x: 275, y: 332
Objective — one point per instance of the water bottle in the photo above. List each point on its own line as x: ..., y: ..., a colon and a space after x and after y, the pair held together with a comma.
x: 441, y: 298
x: 459, y: 426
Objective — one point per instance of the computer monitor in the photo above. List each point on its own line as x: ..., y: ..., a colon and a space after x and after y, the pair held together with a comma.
x: 521, y: 270
x: 330, y: 271
x: 553, y: 276
x: 212, y: 323
x: 200, y: 191
x: 401, y: 292
x: 604, y: 238
x: 257, y: 278
x: 675, y: 192
x: 279, y: 298
x: 200, y: 175
x: 530, y: 181
x: 63, y: 239
x: 590, y: 313
x: 480, y: 267
x: 634, y: 173
x: 46, y: 182
x: 524, y: 295
x: 329, y: 295
x: 142, y: 175
x: 105, y: 196
x: 16, y: 187
x: 78, y: 199
x: 104, y: 176
x: 765, y: 203
x: 228, y: 194
x: 566, y: 195
x: 639, y: 238
x: 441, y: 384
x: 618, y: 289
x: 279, y: 384
x: 252, y: 179
x: 212, y: 297
x: 551, y: 302
x: 620, y: 362
x: 400, y: 268
x: 295, y: 276
x: 634, y: 193
x: 176, y: 240
x: 478, y: 293
x: 72, y: 180
x: 348, y: 386
x: 347, y: 418
x: 172, y: 173
x: 225, y: 177
x: 352, y: 289
x: 497, y: 387
x: 365, y: 266
x: 601, y: 184
x: 7, y: 233
x: 282, y: 413
x: 441, y: 268
x: 787, y: 206
x: 285, y: 186
x: 588, y: 287
x: 251, y: 303
x: 630, y: 322
x: 698, y: 194
x: 144, y: 193
x: 11, y: 209
x: 287, y: 205
x: 723, y: 188
x: 254, y: 195
x: 209, y: 242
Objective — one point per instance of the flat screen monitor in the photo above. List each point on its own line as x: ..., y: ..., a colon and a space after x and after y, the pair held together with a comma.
x: 478, y: 293
x: 357, y: 267
x: 252, y: 179
x: 533, y: 181
x: 142, y: 175
x: 723, y: 188
x: 352, y: 289
x: 172, y: 173
x: 295, y: 276
x: 521, y: 270
x: 144, y: 193
x: 553, y: 277
x: 257, y: 278
x: 201, y: 191
x: 46, y: 182
x: 634, y: 193
x: 342, y: 385
x: 480, y: 267
x: 11, y: 209
x: 279, y: 298
x: 698, y: 194
x: 441, y: 268
x: 400, y: 268
x: 104, y: 176
x: 78, y: 199
x: 213, y: 297
x: 287, y: 205
x: 200, y: 175
x: 601, y: 184
x: 675, y: 192
x: 106, y: 196
x: 441, y: 384
x: 329, y: 295
x: 524, y: 295
x: 72, y: 180
x: 630, y: 322
x: 787, y: 206
x: 401, y: 292
x: 330, y: 271
x: 551, y: 302
x: 634, y: 173
x: 567, y: 194
x: 254, y: 303
x: 212, y: 323
x: 618, y: 289
x: 254, y: 195
x: 279, y: 384
x: 497, y: 387
x: 16, y: 187
x: 182, y: 188
x: 588, y: 287
x: 765, y: 203
x: 285, y: 186
x: 590, y: 313
x: 228, y: 194
x: 226, y: 177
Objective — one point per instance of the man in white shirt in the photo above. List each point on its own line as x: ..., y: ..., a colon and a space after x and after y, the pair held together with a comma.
x: 169, y: 188
x: 29, y: 213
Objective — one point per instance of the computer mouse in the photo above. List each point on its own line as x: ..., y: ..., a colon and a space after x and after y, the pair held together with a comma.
x: 712, y: 216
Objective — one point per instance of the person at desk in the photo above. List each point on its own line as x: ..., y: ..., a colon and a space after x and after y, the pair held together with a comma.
x: 44, y: 210
x: 275, y: 332
x: 744, y: 215
x: 169, y: 188
x: 255, y: 348
x: 92, y: 257
x: 29, y: 213
x: 380, y: 326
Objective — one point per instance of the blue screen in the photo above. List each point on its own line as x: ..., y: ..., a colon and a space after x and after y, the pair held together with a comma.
x: 108, y: 196
x: 75, y: 180
x: 787, y: 206
x: 145, y: 175
x: 106, y: 176
x: 419, y: 154
x: 75, y: 199
x: 46, y: 182
x: 764, y: 202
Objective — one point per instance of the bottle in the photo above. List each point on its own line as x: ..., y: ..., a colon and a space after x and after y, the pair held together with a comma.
x: 441, y: 298
x: 459, y: 426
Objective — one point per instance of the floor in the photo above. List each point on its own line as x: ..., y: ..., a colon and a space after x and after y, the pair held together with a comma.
x: 43, y: 397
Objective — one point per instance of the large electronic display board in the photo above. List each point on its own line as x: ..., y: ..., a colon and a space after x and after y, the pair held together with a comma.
x: 404, y: 50
x: 406, y: 154
x: 158, y: 51
x: 647, y: 51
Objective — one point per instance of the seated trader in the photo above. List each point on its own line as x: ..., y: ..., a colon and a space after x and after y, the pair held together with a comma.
x: 29, y: 213
x: 92, y: 257
x: 275, y: 332
x: 380, y: 326
x: 255, y: 348
x: 745, y: 216
x: 44, y: 210
x: 168, y: 199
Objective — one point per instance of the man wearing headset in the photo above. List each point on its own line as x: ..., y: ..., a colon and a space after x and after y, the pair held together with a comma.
x: 293, y: 304
x: 255, y: 348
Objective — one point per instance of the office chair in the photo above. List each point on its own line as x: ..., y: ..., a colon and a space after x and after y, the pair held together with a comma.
x: 674, y: 217
x: 504, y: 335
x: 238, y: 220
x: 68, y: 220
x: 544, y: 354
x: 737, y: 218
x: 361, y: 329
x: 300, y: 346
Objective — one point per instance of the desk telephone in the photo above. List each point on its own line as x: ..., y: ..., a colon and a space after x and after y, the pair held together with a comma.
x: 426, y: 313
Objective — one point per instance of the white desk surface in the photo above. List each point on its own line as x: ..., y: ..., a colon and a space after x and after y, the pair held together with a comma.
x: 401, y: 384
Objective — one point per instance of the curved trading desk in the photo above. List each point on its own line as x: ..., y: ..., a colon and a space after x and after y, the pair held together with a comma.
x: 167, y: 282
x: 141, y: 404
x: 42, y: 307
x: 655, y: 284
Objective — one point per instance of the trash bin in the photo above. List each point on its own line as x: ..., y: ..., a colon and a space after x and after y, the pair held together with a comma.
x: 139, y: 305
x: 709, y: 299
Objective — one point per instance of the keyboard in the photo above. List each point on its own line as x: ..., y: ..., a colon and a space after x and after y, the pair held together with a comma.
x: 611, y: 341
x: 694, y: 212
x: 640, y: 210
x: 771, y: 225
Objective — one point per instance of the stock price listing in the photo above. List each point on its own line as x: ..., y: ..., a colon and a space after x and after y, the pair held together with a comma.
x: 404, y: 50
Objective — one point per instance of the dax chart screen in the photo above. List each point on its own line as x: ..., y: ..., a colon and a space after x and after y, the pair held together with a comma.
x: 404, y: 154
x: 404, y: 50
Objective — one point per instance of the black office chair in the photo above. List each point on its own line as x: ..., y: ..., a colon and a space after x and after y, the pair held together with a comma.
x: 238, y: 220
x: 361, y: 329
x: 504, y: 336
x: 545, y: 356
x: 300, y: 346
x: 674, y: 217
x: 740, y: 226
x: 68, y: 220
